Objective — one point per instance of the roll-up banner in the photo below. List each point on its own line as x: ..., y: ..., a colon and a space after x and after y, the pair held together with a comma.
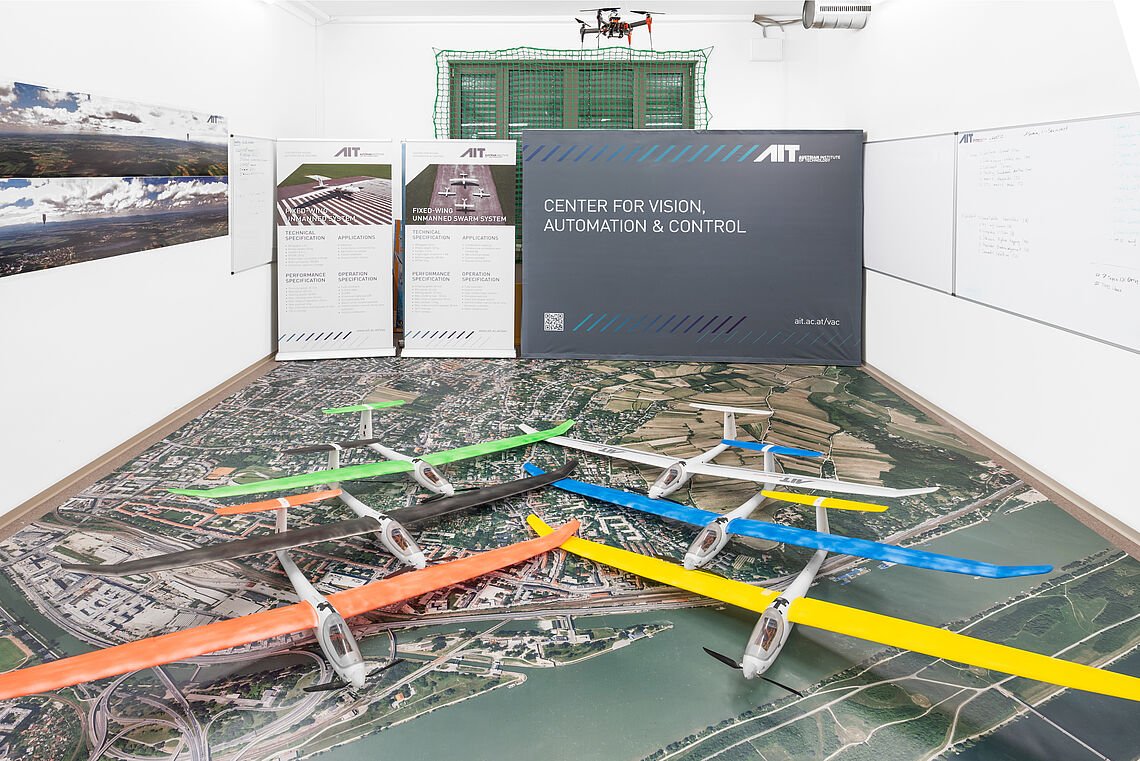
x: 459, y: 257
x: 334, y: 247
x: 684, y: 244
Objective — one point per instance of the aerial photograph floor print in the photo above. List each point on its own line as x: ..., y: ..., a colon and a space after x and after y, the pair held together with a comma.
x: 559, y: 656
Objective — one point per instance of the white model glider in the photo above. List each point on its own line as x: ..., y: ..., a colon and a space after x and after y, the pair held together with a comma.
x: 679, y: 471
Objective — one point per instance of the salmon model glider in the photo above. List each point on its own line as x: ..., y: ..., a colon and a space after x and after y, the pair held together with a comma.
x: 781, y: 610
x: 325, y: 615
x: 390, y: 528
x: 421, y: 468
x: 718, y: 528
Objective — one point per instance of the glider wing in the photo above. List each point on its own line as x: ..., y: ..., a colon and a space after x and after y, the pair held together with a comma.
x: 801, y: 482
x: 489, y: 447
x: 168, y: 648
x: 352, y: 602
x: 371, y: 469
x: 155, y: 651
x: 845, y: 545
x: 610, y: 450
x: 941, y: 643
x: 239, y: 548
x: 317, y: 478
x: 853, y: 622
x: 432, y: 509
x: 662, y: 507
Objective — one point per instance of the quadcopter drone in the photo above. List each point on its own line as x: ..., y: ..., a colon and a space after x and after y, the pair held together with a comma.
x: 611, y: 25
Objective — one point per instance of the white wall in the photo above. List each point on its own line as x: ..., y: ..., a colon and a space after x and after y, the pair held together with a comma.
x: 379, y: 78
x: 94, y: 353
x: 1061, y: 402
x: 929, y: 66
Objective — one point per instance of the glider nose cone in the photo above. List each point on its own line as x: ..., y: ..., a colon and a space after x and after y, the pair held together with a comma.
x: 418, y: 560
x: 751, y: 666
x: 691, y: 561
x: 355, y: 676
x: 656, y: 492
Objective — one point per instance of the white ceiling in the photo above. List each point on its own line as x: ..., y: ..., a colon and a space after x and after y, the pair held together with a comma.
x: 356, y: 11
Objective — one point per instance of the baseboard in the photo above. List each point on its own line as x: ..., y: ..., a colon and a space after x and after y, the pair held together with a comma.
x: 64, y: 489
x: 1109, y: 526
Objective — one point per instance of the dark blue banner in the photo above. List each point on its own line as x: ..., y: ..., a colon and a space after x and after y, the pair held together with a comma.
x: 681, y: 244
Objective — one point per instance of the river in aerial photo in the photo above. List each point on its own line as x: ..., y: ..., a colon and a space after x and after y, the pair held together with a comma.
x: 629, y: 703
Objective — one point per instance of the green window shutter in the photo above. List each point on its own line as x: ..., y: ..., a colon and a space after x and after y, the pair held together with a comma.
x: 606, y: 98
x: 534, y: 99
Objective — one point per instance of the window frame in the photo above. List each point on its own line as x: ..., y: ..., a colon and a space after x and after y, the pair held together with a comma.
x: 571, y: 93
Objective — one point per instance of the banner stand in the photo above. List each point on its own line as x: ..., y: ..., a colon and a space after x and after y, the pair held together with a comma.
x: 459, y: 255
x: 334, y: 247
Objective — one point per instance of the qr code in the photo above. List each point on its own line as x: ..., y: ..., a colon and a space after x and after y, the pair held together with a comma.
x: 553, y: 321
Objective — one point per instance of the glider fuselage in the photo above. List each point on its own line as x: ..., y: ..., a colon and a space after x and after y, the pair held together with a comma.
x: 333, y: 634
x: 773, y: 629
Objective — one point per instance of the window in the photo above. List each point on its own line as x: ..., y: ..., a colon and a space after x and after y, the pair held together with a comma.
x: 497, y: 94
x: 499, y: 99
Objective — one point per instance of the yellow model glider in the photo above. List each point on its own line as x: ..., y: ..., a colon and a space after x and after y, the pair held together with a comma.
x: 885, y: 630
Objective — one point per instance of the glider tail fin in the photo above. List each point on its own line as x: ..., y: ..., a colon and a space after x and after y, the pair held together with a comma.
x: 364, y: 427
x: 811, y: 501
x: 730, y: 415
x: 282, y: 503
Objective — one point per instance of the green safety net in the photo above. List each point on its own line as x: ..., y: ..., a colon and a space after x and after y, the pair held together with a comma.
x: 496, y: 94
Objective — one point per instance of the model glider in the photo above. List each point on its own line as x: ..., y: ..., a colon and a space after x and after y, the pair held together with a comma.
x: 717, y: 528
x: 781, y: 610
x: 678, y: 471
x: 446, y: 192
x: 464, y: 180
x: 389, y: 529
x: 464, y: 205
x: 369, y: 470
x: 324, y: 614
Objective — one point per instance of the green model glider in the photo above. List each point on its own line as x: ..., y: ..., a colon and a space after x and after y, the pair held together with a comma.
x: 368, y: 470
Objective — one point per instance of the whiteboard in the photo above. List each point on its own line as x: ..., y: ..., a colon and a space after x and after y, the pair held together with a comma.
x: 1048, y: 224
x: 253, y: 188
x: 908, y: 202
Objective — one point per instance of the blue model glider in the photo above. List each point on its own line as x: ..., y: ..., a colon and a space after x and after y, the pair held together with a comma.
x: 717, y: 529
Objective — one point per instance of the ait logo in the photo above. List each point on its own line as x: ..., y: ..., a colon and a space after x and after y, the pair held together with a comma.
x: 778, y: 153
x: 966, y: 138
x: 348, y: 152
x: 475, y: 153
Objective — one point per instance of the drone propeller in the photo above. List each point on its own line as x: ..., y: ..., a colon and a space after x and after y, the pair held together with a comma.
x: 733, y: 664
x: 580, y: 21
x: 649, y: 13
x: 335, y: 684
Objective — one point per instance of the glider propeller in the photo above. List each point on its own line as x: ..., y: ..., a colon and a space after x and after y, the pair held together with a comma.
x: 779, y: 611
